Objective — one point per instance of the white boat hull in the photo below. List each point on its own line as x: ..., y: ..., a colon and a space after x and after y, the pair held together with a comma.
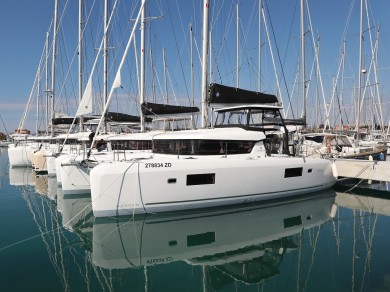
x: 20, y: 155
x: 75, y: 175
x: 166, y: 184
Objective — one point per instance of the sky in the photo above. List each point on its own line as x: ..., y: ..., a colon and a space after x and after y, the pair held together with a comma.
x: 23, y: 27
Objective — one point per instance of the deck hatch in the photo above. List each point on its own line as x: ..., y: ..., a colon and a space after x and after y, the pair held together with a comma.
x: 200, y: 179
x: 293, y: 172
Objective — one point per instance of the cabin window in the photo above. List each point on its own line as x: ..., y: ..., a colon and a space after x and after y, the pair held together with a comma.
x: 171, y: 180
x: 293, y: 172
x: 131, y: 145
x: 292, y: 221
x: 310, y: 170
x: 200, y: 179
x: 202, y: 147
x: 200, y: 239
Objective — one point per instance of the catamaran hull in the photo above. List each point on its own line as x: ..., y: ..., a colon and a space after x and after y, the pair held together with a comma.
x: 166, y: 184
x: 20, y: 155
x: 75, y: 171
x: 75, y: 177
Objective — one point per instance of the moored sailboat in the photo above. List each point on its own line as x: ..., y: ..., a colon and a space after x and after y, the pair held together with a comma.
x: 229, y: 164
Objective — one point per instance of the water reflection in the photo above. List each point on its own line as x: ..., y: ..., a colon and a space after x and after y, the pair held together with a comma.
x: 286, y: 245
x: 21, y: 176
x: 77, y: 213
x: 246, y: 243
x: 41, y: 183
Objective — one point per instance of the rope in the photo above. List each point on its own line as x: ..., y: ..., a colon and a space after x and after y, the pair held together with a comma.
x: 356, y: 176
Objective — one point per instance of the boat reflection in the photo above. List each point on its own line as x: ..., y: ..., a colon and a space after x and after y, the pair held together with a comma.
x: 238, y: 241
x: 21, y: 176
x: 77, y: 213
x: 41, y: 183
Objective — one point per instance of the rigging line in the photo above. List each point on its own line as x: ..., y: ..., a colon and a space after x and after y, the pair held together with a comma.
x: 213, y: 22
x: 178, y: 52
x: 185, y: 43
x: 339, y: 105
x: 280, y: 63
x: 290, y: 34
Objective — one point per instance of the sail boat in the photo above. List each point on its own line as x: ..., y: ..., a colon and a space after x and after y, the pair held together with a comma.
x: 74, y: 170
x: 228, y: 164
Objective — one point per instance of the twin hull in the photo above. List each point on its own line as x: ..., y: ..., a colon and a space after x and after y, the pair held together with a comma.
x: 20, y: 155
x: 166, y: 184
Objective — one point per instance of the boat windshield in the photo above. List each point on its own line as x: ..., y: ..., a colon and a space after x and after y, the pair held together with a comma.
x: 259, y: 118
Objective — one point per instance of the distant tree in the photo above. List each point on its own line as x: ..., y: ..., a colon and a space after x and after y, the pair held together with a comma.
x: 3, y: 136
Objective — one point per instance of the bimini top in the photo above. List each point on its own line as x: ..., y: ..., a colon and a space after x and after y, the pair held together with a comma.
x: 222, y: 94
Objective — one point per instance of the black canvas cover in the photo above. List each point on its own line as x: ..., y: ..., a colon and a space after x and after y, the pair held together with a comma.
x: 219, y: 93
x: 110, y: 117
x: 64, y: 121
x: 121, y: 118
x: 152, y: 109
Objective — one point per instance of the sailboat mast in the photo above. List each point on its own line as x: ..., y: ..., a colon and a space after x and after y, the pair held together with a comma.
x: 342, y: 86
x: 165, y: 76
x: 204, y: 61
x: 105, y: 53
x: 360, y: 72
x: 142, y: 85
x: 80, y: 57
x: 38, y: 96
x: 53, y: 65
x: 192, y: 65
x: 259, y: 52
x: 47, y: 83
x: 303, y: 73
x: 237, y: 49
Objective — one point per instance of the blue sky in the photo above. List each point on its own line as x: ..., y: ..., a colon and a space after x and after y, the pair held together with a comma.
x: 23, y: 26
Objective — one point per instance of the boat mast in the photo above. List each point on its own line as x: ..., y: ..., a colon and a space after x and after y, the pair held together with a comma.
x: 192, y: 66
x: 117, y: 79
x: 80, y: 58
x: 360, y: 72
x: 165, y: 76
x: 47, y: 84
x: 105, y: 53
x: 38, y: 96
x: 105, y: 59
x: 237, y: 50
x: 259, y: 52
x: 142, y: 85
x: 204, y: 61
x: 53, y: 65
x: 303, y: 59
x: 342, y: 86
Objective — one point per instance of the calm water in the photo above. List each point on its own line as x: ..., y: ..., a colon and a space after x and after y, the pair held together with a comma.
x: 52, y: 242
